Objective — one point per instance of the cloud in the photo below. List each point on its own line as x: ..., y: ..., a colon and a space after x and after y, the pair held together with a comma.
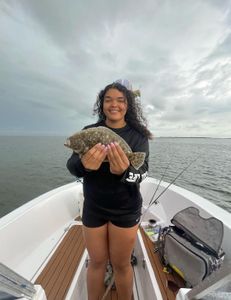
x: 56, y: 56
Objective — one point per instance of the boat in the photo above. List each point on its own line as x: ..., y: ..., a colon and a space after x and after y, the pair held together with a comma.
x: 43, y: 257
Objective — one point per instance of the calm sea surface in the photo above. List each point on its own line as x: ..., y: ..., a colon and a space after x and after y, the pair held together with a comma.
x: 30, y: 166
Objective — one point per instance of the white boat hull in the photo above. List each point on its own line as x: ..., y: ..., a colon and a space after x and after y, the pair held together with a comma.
x: 30, y: 234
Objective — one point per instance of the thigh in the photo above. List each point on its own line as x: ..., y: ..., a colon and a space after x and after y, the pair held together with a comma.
x: 96, y: 240
x: 121, y: 243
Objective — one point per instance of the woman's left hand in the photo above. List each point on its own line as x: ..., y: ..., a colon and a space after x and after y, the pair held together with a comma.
x: 117, y: 159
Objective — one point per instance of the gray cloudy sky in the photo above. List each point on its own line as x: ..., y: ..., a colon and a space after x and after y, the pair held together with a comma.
x: 55, y: 56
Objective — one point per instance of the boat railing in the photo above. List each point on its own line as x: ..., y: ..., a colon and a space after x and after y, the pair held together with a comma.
x: 15, y: 285
x: 212, y: 286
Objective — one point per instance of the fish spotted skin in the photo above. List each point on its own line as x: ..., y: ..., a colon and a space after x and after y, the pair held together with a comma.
x: 85, y: 139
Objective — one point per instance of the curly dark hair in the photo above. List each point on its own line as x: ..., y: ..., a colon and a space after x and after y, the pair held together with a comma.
x: 134, y: 116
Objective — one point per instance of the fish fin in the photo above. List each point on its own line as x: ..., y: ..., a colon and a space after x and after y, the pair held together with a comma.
x: 136, y: 159
x: 67, y: 145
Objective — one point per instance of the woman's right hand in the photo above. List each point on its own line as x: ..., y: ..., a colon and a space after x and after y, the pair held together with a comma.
x: 94, y: 157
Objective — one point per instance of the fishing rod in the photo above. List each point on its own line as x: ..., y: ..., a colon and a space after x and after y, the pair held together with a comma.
x: 175, y: 179
x: 149, y: 204
x: 159, y: 183
x: 155, y: 200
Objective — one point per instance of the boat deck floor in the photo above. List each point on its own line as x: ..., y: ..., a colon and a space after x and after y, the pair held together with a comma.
x: 169, y: 283
x: 58, y: 274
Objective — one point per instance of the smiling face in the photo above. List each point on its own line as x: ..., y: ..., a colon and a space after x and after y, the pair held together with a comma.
x: 115, y: 108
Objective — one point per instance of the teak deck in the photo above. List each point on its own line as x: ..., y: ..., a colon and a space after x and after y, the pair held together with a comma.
x: 58, y: 274
x: 60, y: 270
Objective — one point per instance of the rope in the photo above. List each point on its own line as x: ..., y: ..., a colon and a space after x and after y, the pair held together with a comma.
x: 109, y: 287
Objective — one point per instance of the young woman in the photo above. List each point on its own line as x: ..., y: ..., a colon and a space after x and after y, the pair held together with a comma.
x: 112, y: 200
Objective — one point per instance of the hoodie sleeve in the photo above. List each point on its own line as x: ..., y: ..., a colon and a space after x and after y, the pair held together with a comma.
x: 133, y: 176
x: 75, y: 166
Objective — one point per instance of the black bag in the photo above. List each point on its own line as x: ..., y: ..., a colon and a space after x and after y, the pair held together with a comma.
x: 192, y: 247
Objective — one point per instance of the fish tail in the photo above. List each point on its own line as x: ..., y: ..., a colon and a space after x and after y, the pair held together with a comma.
x: 67, y: 145
x: 136, y: 159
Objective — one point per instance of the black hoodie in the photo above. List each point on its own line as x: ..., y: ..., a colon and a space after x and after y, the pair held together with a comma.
x: 109, y: 191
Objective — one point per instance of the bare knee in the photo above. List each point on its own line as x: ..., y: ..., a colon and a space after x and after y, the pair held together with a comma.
x: 97, y: 263
x: 120, y: 266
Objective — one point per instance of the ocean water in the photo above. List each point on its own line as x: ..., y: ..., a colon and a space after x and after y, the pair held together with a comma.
x: 31, y: 166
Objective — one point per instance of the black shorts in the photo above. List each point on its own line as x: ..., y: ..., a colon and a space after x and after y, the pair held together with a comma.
x: 96, y: 218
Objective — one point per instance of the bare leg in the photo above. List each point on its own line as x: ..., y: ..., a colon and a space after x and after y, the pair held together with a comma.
x: 121, y: 244
x: 97, y: 246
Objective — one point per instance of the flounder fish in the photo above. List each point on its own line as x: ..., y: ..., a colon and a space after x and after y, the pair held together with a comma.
x: 84, y: 140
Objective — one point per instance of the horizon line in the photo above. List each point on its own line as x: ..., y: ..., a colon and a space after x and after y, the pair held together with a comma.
x: 66, y: 135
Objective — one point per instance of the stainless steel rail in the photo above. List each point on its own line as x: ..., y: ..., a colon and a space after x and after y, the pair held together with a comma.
x: 14, y: 285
